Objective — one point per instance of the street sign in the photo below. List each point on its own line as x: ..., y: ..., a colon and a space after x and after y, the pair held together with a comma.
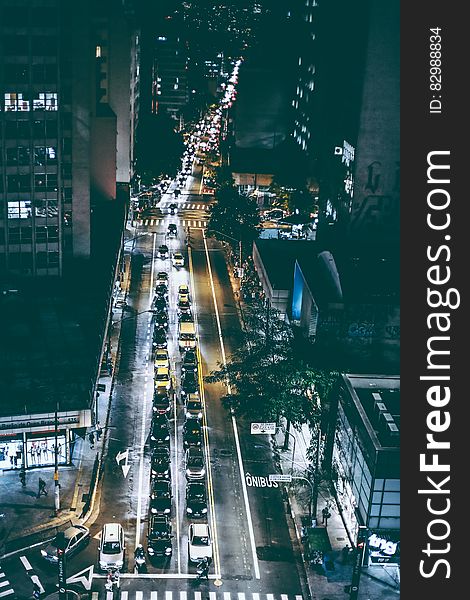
x: 280, y: 477
x: 257, y: 428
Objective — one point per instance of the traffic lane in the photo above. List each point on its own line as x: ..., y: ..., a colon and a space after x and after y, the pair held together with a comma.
x: 119, y: 494
x: 270, y: 527
x: 230, y: 516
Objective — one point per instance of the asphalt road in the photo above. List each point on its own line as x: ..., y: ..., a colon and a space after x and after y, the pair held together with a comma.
x: 253, y: 555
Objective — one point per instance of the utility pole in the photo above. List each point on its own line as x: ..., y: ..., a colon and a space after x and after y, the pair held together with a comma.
x: 56, y: 463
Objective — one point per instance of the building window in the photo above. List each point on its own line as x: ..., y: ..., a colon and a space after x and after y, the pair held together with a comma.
x: 15, y: 102
x: 98, y: 51
x: 16, y: 73
x: 20, y: 209
x: 18, y: 183
x: 43, y: 73
x: 46, y: 182
x: 45, y: 101
x: 45, y: 155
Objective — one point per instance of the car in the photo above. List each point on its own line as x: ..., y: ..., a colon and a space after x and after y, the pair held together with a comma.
x: 199, y: 542
x: 120, y: 303
x: 162, y: 403
x: 183, y: 292
x: 160, y: 304
x: 161, y: 290
x: 194, y: 463
x: 183, y: 306
x: 186, y: 317
x: 159, y: 537
x: 111, y: 547
x: 193, y: 406
x: 159, y: 431
x: 178, y: 260
x: 163, y: 251
x: 160, y: 505
x: 160, y: 463
x: 161, y: 358
x: 196, y: 500
x: 189, y: 383
x: 192, y: 434
x: 189, y: 361
x: 172, y: 230
x: 161, y: 319
x: 76, y: 538
x: 159, y: 339
x: 173, y: 208
x: 160, y: 488
x: 162, y: 379
x: 162, y: 277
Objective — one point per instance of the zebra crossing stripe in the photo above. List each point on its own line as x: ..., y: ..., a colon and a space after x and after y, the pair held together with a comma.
x: 168, y: 595
x: 226, y: 595
x: 197, y: 595
x: 124, y: 595
x: 153, y: 595
x: 109, y: 595
x: 35, y: 579
x: 284, y: 597
x: 212, y: 596
x: 241, y: 596
x: 7, y: 593
x: 2, y: 574
x: 138, y: 595
x: 183, y: 595
x: 270, y: 596
x: 4, y: 583
x: 255, y: 596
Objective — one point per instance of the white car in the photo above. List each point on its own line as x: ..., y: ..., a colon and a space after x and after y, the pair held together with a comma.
x: 162, y: 378
x: 199, y: 542
x: 161, y: 359
x: 178, y: 260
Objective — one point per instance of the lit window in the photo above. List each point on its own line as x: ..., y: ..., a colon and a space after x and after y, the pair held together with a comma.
x: 20, y: 209
x: 98, y: 52
x: 14, y: 101
x: 176, y: 86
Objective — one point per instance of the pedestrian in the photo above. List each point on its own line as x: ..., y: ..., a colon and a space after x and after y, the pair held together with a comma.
x: 325, y: 515
x: 99, y: 431
x: 91, y: 439
x: 41, y: 488
x: 345, y: 553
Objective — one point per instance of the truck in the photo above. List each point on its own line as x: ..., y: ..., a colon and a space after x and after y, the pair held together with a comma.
x: 186, y: 335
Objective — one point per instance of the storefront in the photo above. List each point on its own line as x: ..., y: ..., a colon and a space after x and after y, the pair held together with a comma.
x: 30, y: 441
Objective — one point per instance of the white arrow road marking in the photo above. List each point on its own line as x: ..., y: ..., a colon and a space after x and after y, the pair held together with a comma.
x: 80, y: 577
x: 125, y: 467
x: 97, y: 536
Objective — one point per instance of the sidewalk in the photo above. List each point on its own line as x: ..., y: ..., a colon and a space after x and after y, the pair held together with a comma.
x: 325, y: 581
x: 28, y: 520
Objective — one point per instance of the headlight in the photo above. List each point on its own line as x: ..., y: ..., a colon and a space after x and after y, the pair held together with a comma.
x: 199, y: 415
x: 44, y: 553
x: 150, y: 551
x: 167, y: 510
x: 204, y: 510
x: 189, y: 511
x: 167, y: 550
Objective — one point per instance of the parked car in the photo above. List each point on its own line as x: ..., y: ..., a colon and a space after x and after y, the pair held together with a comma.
x: 192, y: 433
x: 160, y: 430
x: 186, y: 317
x: 178, y: 260
x: 161, y: 290
x: 76, y: 538
x: 196, y: 501
x: 160, y: 505
x: 159, y: 537
x: 189, y: 361
x: 199, y: 542
x: 160, y: 463
x: 111, y: 547
x: 183, y: 306
x: 160, y: 488
x: 194, y: 463
x: 161, y: 358
x: 160, y: 304
x: 162, y: 403
x: 189, y: 383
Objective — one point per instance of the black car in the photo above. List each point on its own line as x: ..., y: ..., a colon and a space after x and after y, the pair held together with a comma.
x: 186, y: 317
x: 189, y: 361
x: 173, y: 208
x: 159, y: 537
x: 160, y: 505
x: 160, y: 488
x: 196, y: 501
x: 160, y: 463
x: 192, y: 433
x: 162, y: 404
x: 161, y: 320
x: 189, y: 383
x: 161, y: 304
x: 160, y: 431
x: 159, y: 338
x: 161, y: 290
x: 172, y: 229
x: 163, y: 251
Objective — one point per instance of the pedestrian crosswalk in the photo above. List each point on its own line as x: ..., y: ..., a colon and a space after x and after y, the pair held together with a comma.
x: 153, y: 222
x: 185, y: 205
x: 184, y: 595
x: 5, y: 588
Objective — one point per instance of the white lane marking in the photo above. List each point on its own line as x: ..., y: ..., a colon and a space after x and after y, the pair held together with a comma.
x: 197, y: 595
x: 124, y: 595
x: 234, y: 422
x: 7, y: 593
x: 183, y: 595
x: 212, y: 596
x: 26, y: 563
x: 4, y: 583
x: 153, y: 595
x: 226, y: 595
x: 138, y: 595
x: 35, y: 579
x: 168, y: 595
x: 175, y: 479
x: 241, y: 596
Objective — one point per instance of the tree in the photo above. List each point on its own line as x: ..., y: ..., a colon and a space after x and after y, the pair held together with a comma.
x: 234, y: 216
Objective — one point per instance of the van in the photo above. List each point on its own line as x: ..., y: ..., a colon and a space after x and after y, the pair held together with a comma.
x: 111, y: 547
x: 186, y: 335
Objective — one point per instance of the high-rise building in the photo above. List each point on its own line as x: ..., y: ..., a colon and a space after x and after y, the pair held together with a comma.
x: 346, y: 114
x: 65, y: 91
